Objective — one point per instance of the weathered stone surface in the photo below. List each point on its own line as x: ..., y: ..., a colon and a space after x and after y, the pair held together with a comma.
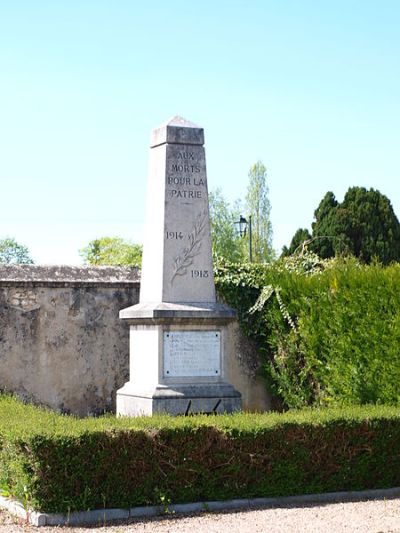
x: 177, y: 130
x: 173, y: 311
x: 180, y: 399
x: 242, y: 369
x: 61, y: 342
x: 63, y: 275
x: 177, y: 260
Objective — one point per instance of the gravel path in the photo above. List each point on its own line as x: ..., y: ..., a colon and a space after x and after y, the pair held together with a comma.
x: 377, y: 516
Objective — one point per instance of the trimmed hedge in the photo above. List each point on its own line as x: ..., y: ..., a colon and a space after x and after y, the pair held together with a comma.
x: 59, y: 463
x: 328, y: 333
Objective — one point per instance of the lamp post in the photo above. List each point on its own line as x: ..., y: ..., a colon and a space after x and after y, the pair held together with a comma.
x: 243, y: 224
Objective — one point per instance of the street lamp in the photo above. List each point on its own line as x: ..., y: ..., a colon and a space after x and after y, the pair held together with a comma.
x: 242, y: 227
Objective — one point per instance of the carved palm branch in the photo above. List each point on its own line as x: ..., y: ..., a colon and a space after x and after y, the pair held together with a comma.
x: 187, y: 255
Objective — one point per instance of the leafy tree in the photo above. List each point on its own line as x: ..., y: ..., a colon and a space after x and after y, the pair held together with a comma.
x: 13, y: 253
x: 112, y: 251
x: 226, y: 242
x: 363, y: 225
x: 301, y: 237
x: 370, y: 224
x: 259, y: 208
x: 329, y: 238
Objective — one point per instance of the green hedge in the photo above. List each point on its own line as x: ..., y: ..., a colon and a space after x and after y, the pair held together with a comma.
x: 60, y: 464
x: 327, y: 332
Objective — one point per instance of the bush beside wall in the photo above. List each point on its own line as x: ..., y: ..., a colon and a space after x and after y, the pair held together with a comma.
x: 328, y: 332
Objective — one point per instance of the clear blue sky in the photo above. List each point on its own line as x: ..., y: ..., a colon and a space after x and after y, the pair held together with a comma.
x: 311, y: 88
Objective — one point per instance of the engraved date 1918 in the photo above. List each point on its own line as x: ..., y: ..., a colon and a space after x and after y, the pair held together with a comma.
x: 200, y: 273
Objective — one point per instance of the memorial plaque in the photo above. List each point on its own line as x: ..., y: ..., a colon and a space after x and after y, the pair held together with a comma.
x: 192, y: 353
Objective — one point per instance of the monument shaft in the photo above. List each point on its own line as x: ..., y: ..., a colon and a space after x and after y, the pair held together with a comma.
x: 177, y: 225
x: 178, y: 330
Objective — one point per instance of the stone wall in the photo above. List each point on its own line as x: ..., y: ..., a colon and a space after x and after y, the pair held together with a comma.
x: 242, y: 368
x: 61, y: 341
x: 63, y: 345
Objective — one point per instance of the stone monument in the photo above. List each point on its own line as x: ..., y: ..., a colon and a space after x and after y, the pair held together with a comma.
x: 177, y: 330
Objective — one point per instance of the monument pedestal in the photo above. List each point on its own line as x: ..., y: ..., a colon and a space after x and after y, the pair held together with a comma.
x: 178, y: 332
x: 177, y: 360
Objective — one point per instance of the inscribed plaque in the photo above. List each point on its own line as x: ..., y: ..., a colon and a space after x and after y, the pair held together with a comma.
x: 192, y: 353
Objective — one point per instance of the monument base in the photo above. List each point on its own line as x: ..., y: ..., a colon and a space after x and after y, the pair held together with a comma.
x: 177, y: 354
x: 210, y: 398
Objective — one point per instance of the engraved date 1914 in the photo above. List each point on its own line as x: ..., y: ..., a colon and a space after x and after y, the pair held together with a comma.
x: 177, y: 235
x: 187, y: 254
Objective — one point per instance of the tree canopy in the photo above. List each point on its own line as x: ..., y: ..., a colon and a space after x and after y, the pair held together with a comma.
x: 226, y: 241
x: 112, y: 251
x: 12, y: 252
x: 259, y: 208
x: 363, y: 225
x: 299, y: 239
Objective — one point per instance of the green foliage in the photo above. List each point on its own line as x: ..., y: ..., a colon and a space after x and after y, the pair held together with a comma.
x: 327, y: 331
x: 326, y: 228
x: 363, y: 225
x: 226, y: 242
x: 259, y: 208
x: 112, y: 251
x: 300, y: 240
x: 372, y: 229
x: 12, y: 252
x: 58, y: 463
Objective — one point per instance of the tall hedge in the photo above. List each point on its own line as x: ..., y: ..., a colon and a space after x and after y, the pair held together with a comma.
x: 328, y: 332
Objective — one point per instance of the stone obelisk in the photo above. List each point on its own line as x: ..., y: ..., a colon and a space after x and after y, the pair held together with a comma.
x: 177, y: 331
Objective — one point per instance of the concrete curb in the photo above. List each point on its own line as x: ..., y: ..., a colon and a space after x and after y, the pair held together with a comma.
x: 102, y: 516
